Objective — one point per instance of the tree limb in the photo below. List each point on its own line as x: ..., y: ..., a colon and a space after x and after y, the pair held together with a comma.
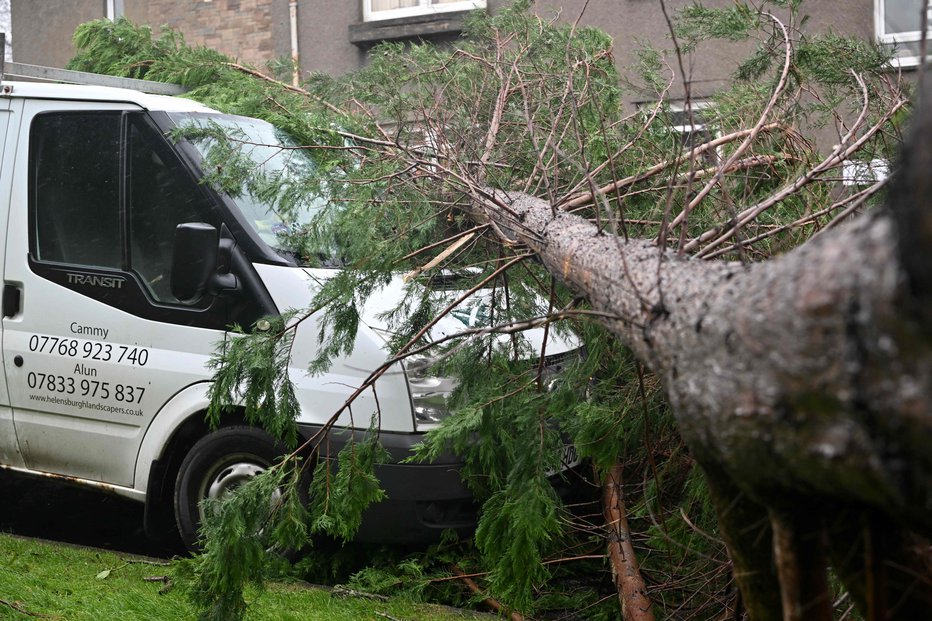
x: 492, y: 603
x: 632, y: 594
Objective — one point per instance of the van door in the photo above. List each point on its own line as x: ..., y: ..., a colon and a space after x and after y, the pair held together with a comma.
x: 98, y: 343
x: 9, y: 450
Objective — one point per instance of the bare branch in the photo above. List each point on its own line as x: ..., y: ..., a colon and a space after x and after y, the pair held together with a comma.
x: 752, y: 135
x: 842, y: 152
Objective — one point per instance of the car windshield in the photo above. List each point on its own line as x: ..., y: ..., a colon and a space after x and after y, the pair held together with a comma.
x: 265, y: 171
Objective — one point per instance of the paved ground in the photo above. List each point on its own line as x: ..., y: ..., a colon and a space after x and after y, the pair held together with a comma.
x: 36, y: 507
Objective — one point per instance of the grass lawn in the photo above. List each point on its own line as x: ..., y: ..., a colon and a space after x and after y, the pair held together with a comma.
x: 40, y: 580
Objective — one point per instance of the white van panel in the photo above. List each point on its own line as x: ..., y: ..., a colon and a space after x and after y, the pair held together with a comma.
x: 192, y: 401
x: 87, y: 378
x: 9, y: 130
x: 321, y: 396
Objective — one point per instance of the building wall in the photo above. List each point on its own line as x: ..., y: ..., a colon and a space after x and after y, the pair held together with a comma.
x: 240, y: 28
x: 325, y: 42
x: 256, y: 31
x: 253, y: 31
x: 631, y: 23
x: 324, y: 36
x: 45, y: 30
x: 134, y: 10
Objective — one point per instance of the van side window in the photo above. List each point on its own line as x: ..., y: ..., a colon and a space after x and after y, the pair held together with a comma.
x: 106, y: 192
x: 75, y: 160
x: 76, y: 197
x: 160, y: 196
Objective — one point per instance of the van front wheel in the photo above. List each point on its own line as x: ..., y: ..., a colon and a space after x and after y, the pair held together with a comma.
x: 216, y: 465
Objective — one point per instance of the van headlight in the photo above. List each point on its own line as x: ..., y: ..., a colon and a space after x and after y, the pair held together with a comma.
x: 429, y: 393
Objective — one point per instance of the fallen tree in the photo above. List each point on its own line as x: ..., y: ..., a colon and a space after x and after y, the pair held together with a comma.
x: 794, y: 416
x: 800, y: 383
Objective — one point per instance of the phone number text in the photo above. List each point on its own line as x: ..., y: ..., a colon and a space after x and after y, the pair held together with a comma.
x: 85, y: 387
x: 89, y: 350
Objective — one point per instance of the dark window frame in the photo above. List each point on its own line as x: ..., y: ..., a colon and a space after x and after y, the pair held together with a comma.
x: 439, y: 26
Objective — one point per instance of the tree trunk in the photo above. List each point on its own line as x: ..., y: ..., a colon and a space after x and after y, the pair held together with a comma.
x: 809, y: 374
x: 803, y: 373
x: 799, y: 552
x: 745, y: 527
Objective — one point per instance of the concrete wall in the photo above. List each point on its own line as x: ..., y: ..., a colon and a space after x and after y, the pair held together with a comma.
x: 45, y: 30
x: 324, y: 36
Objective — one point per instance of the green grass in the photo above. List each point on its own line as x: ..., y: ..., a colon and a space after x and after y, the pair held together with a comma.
x: 52, y: 581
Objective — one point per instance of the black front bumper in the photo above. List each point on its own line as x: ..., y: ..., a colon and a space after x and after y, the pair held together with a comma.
x: 423, y: 499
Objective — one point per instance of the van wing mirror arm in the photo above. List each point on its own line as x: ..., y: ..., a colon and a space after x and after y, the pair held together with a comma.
x: 223, y: 278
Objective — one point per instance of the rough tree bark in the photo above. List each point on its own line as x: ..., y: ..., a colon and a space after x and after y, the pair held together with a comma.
x: 632, y: 594
x: 806, y: 376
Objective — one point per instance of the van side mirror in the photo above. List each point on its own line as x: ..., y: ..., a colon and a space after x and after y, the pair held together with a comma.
x: 194, y: 260
x: 202, y: 262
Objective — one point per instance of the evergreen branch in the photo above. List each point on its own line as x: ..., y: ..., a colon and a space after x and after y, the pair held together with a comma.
x: 445, y: 241
x: 843, y: 151
x: 642, y: 128
x: 752, y: 135
x: 853, y: 202
x: 286, y: 86
x: 439, y: 258
x: 632, y: 593
x: 379, y: 371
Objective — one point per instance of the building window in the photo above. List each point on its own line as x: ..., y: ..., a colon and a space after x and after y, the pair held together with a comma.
x: 899, y: 24
x: 691, y: 123
x: 857, y: 173
x: 686, y: 127
x: 374, y: 10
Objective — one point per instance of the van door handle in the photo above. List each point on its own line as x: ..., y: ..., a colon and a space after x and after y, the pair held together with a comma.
x: 12, y: 300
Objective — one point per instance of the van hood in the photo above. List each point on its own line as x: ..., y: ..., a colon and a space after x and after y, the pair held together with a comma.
x: 473, y: 312
x: 321, y: 396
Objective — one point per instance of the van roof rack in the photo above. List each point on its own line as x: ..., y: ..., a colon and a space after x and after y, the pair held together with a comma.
x: 52, y: 74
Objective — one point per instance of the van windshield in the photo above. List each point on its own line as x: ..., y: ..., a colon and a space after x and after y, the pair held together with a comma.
x: 264, y: 172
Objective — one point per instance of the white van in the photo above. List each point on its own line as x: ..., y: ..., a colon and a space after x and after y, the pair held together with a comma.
x: 107, y: 327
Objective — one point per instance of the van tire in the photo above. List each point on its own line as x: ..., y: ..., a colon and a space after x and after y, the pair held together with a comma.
x: 217, y: 463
